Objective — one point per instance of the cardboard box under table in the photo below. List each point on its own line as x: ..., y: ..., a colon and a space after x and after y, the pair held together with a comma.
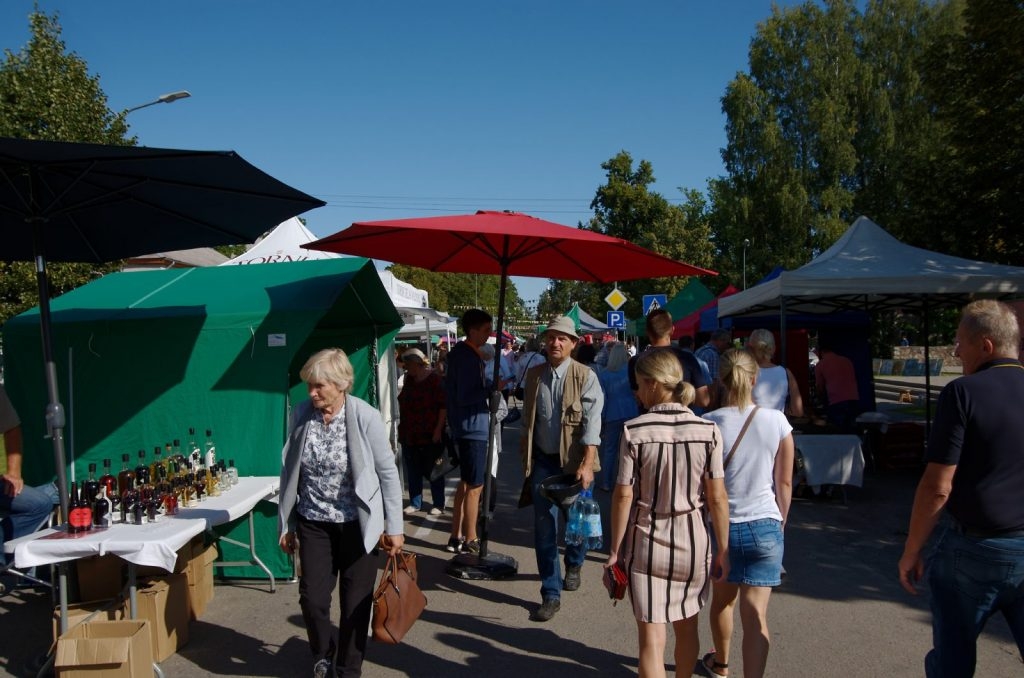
x: 107, y: 649
x: 165, y: 603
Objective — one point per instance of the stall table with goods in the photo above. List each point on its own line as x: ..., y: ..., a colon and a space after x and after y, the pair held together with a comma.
x: 830, y: 460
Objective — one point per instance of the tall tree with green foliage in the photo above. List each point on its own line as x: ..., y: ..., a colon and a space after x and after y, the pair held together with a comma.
x: 625, y: 207
x: 832, y: 121
x: 47, y: 93
x: 454, y: 293
x: 977, y: 86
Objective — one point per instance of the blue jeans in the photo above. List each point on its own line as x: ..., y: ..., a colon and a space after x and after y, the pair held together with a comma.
x: 971, y: 579
x: 415, y: 457
x: 26, y: 513
x: 545, y: 531
x: 611, y: 434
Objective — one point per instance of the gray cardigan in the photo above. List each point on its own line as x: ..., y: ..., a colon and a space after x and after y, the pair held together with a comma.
x: 374, y: 473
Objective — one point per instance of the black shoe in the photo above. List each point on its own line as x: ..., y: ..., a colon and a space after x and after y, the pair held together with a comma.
x: 454, y: 545
x: 472, y: 547
x: 547, y: 610
x: 572, y: 578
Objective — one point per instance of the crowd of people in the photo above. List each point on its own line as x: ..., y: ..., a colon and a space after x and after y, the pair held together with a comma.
x: 696, y: 448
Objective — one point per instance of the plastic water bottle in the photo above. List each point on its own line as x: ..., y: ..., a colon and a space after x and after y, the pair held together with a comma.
x: 592, y: 521
x: 574, y: 526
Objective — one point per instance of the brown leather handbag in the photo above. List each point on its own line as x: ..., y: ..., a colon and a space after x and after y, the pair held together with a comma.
x: 398, y: 601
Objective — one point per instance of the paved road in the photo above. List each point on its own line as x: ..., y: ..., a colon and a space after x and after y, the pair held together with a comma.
x: 840, y: 611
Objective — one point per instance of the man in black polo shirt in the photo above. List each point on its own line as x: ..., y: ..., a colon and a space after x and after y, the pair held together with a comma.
x: 659, y: 332
x: 975, y: 471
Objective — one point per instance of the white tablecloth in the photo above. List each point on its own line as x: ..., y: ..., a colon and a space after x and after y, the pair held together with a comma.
x: 154, y: 544
x: 831, y: 459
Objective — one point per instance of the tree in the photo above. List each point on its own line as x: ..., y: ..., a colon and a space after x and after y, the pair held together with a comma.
x: 47, y: 93
x: 457, y: 292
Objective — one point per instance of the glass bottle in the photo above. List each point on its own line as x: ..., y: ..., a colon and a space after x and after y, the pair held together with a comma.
x: 193, y: 450
x: 91, y: 487
x: 128, y: 500
x: 232, y: 472
x: 126, y: 478
x: 209, y: 450
x: 158, y: 467
x: 142, y: 469
x: 108, y: 480
x: 102, y: 509
x: 80, y: 513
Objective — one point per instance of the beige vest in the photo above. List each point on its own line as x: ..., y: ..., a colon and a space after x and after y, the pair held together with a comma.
x: 570, y: 450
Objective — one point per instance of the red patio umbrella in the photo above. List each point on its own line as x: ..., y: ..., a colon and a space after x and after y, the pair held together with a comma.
x: 502, y: 243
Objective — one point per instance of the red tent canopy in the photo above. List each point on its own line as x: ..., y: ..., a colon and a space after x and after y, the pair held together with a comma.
x: 688, y: 325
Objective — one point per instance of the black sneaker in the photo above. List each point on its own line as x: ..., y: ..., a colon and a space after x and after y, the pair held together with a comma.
x: 454, y: 545
x: 547, y: 610
x: 472, y: 547
x: 572, y: 578
x: 322, y: 669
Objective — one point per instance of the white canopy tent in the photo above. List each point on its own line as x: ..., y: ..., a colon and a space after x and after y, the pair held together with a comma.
x: 868, y: 269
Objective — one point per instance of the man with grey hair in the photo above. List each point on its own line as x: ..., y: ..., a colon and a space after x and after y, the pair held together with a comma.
x: 975, y: 471
x: 561, y: 431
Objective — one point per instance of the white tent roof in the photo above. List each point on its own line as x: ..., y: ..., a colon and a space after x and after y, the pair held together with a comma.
x: 284, y: 243
x: 869, y: 269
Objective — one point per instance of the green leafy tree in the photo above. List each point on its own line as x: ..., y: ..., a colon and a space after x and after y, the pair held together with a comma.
x: 456, y: 292
x: 47, y: 93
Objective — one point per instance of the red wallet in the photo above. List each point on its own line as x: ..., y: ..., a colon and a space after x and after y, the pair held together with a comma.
x: 615, y: 582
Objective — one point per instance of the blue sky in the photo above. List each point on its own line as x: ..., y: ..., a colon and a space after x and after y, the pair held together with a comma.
x: 403, y: 109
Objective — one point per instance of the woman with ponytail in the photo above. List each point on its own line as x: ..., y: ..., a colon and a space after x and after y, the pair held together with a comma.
x: 670, y: 465
x: 759, y: 479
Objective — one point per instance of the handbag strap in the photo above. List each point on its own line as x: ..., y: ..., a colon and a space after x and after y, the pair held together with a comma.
x: 736, y: 443
x: 528, y: 363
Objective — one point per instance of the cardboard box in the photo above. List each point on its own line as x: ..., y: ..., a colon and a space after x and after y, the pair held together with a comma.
x: 105, y: 649
x: 100, y: 577
x: 77, y: 612
x: 164, y: 603
x: 200, y: 578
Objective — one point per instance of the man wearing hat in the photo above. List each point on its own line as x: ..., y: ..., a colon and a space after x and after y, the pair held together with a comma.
x: 561, y: 433
x: 422, y: 410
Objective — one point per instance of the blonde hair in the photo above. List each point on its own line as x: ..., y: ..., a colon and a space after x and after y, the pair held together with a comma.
x: 329, y: 365
x: 762, y: 344
x: 996, y: 321
x: 662, y: 365
x: 737, y: 370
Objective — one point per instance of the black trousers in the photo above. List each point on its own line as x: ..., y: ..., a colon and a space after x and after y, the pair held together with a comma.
x: 333, y: 553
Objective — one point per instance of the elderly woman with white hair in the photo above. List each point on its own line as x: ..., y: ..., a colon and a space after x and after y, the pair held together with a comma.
x: 340, y: 492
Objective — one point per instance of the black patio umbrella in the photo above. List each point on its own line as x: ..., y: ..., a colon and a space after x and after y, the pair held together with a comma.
x: 73, y: 202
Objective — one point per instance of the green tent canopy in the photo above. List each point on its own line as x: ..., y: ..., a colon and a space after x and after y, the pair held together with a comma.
x: 693, y: 296
x: 143, y: 356
x: 585, y: 323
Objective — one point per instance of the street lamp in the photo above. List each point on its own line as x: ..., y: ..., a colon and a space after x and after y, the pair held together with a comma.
x: 746, y: 244
x: 162, y: 99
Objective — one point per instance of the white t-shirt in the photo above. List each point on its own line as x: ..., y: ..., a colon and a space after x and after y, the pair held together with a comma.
x: 772, y: 387
x: 749, y: 478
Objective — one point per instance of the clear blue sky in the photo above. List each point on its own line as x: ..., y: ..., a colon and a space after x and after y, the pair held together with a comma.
x: 403, y: 109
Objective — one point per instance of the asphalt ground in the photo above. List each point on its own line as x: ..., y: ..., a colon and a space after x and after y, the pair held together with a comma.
x: 839, y: 612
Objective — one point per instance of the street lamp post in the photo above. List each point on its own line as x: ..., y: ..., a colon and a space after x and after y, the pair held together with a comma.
x: 162, y: 99
x: 746, y: 244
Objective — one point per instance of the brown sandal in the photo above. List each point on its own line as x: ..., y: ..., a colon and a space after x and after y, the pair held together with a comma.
x: 709, y: 666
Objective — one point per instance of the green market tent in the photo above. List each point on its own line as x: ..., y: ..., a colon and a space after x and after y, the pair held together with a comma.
x: 693, y: 296
x: 585, y: 323
x: 144, y: 356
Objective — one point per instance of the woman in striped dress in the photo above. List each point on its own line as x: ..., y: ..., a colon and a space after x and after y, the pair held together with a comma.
x: 670, y: 464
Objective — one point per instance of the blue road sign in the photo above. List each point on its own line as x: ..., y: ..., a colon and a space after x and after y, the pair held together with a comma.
x: 616, y: 319
x: 652, y: 302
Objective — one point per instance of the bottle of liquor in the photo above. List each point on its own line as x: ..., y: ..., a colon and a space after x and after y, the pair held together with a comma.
x: 79, y: 513
x: 91, y: 487
x: 126, y: 478
x: 108, y: 480
x: 209, y: 450
x: 158, y: 468
x: 128, y: 499
x: 142, y: 470
x: 177, y: 455
x: 193, y: 450
x: 232, y: 472
x: 102, y: 509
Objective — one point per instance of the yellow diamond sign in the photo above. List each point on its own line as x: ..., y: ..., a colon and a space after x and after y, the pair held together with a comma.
x: 615, y: 299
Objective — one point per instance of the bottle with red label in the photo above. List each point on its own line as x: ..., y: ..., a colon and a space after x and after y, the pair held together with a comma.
x: 79, y: 512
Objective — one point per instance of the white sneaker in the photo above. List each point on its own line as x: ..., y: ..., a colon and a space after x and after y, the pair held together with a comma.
x: 409, y: 510
x: 436, y: 511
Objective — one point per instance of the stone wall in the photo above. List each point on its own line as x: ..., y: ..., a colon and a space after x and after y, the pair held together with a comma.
x: 949, y: 363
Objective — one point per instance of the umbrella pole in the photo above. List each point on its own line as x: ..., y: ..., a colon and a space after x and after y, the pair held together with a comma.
x: 488, y: 565
x: 54, y: 410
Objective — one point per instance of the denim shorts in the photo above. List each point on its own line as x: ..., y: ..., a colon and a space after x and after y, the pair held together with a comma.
x: 472, y: 461
x: 755, y: 552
